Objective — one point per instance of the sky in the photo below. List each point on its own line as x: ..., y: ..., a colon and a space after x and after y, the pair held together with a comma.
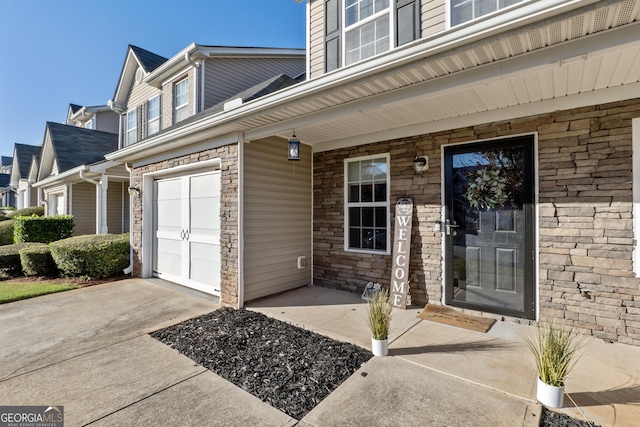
x: 57, y: 52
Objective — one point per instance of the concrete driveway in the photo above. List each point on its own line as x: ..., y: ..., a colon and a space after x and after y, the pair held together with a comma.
x: 88, y: 350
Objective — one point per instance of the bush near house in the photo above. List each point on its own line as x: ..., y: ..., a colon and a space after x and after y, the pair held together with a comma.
x: 6, y: 232
x: 95, y: 256
x: 35, y: 210
x: 10, y: 263
x: 42, y: 229
x: 36, y: 260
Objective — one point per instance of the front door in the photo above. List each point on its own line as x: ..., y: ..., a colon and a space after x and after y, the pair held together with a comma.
x: 489, y: 226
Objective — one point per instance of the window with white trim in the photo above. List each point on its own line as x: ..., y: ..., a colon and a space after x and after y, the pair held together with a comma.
x: 367, y: 204
x: 467, y: 10
x: 367, y: 29
x: 153, y: 115
x: 132, y: 126
x: 181, y: 100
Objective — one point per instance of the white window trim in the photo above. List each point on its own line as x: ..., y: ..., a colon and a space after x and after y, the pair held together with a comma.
x: 157, y: 119
x: 175, y: 96
x: 387, y: 157
x: 135, y: 128
x: 635, y: 138
x: 345, y: 30
x: 479, y: 18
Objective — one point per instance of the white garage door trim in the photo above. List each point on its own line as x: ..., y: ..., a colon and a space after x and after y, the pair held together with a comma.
x: 148, y: 227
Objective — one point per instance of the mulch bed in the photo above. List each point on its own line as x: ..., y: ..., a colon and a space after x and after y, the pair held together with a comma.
x: 290, y: 368
x: 556, y: 419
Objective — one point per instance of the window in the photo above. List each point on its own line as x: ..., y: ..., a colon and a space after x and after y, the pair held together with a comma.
x: 367, y: 28
x: 181, y: 91
x: 367, y: 204
x: 132, y: 126
x: 355, y: 30
x: 153, y: 115
x: 467, y: 10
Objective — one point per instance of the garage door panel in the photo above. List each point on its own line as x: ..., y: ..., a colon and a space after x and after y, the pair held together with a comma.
x: 169, y: 256
x: 205, y: 216
x: 205, y: 263
x: 169, y: 189
x: 205, y: 185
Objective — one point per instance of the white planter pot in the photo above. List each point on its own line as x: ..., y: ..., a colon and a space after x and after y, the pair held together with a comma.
x: 549, y: 395
x: 379, y: 347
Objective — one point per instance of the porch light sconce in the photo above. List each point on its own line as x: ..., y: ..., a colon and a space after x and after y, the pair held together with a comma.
x: 134, y: 191
x: 421, y: 163
x: 294, y: 147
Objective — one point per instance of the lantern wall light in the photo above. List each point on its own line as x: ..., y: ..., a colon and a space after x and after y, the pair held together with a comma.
x: 294, y: 147
x: 421, y: 163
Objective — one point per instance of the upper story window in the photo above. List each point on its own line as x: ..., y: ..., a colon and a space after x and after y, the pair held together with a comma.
x: 359, y: 29
x: 132, y: 126
x: 367, y: 29
x: 367, y: 204
x: 89, y: 124
x: 181, y: 101
x: 153, y: 115
x: 467, y: 10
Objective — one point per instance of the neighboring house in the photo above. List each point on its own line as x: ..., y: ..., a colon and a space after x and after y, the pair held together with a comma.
x: 73, y: 178
x: 7, y: 196
x: 21, y: 180
x: 512, y: 128
x: 100, y: 118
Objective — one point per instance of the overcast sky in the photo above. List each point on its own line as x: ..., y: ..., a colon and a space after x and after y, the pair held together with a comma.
x: 55, y: 52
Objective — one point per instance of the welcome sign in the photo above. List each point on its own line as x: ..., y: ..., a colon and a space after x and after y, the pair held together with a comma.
x: 401, y: 246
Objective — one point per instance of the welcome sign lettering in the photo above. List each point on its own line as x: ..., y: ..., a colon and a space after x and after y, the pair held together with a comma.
x: 401, y: 246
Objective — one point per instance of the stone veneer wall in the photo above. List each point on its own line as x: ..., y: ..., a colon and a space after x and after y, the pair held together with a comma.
x: 585, y: 216
x: 228, y: 214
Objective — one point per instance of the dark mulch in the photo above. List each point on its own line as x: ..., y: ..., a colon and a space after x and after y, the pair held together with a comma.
x: 290, y: 368
x: 556, y: 419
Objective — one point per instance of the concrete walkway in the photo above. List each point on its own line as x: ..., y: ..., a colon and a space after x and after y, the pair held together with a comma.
x: 605, y: 383
x: 89, y: 351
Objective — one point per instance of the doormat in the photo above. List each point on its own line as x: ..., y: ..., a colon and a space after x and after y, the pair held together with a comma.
x: 448, y: 316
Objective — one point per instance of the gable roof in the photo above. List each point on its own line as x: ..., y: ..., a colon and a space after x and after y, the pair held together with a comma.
x: 6, y: 160
x: 149, y: 61
x: 74, y: 146
x: 23, y: 154
x: 136, y: 57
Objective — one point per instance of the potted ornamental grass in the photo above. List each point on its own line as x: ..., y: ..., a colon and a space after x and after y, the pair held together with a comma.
x: 379, y: 312
x: 554, y: 348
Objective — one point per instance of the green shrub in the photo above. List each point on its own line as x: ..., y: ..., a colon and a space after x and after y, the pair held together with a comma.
x: 43, y: 229
x: 36, y: 260
x: 3, y: 217
x: 6, y: 232
x: 10, y: 258
x: 35, y: 210
x: 95, y: 255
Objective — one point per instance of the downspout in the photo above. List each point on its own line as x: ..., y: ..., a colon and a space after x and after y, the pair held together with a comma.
x: 101, y: 211
x: 129, y: 268
x: 196, y: 79
x: 118, y: 108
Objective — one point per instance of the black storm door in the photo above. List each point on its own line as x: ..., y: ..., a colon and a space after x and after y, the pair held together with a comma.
x: 489, y: 226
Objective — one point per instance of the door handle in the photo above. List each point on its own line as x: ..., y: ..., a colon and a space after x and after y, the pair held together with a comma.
x: 181, y: 234
x: 449, y: 227
x: 186, y: 234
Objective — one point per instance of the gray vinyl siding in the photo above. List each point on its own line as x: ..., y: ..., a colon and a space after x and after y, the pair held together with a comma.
x: 33, y: 197
x: 433, y: 16
x: 316, y: 39
x: 83, y: 208
x: 107, y: 121
x: 226, y: 77
x: 115, y: 206
x: 277, y: 218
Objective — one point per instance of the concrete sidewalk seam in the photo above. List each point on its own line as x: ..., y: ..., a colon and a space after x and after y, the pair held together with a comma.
x: 11, y: 376
x: 145, y: 398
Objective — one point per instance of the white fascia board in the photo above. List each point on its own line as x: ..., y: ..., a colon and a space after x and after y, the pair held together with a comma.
x: 445, y: 41
x: 60, y: 178
x: 101, y: 167
x: 157, y: 76
x: 250, y: 52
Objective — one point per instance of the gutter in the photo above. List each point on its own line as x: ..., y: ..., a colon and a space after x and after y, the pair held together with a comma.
x: 440, y: 44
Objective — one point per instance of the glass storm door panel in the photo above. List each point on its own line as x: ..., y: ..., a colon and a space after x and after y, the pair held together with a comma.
x: 489, y: 226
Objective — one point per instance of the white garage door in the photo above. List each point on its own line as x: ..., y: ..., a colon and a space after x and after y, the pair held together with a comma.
x: 187, y: 230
